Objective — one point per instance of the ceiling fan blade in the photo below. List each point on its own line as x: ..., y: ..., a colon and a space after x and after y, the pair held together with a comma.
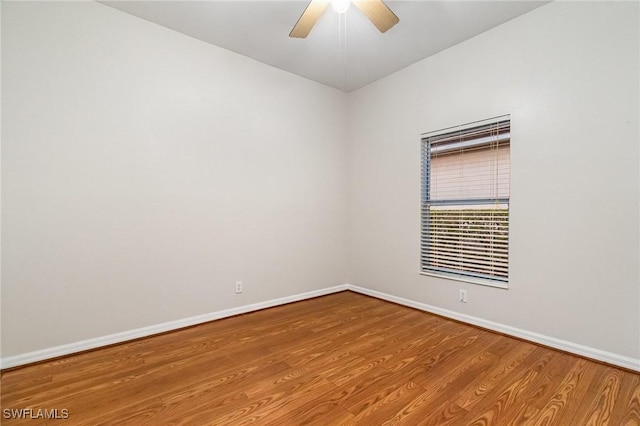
x: 378, y: 13
x: 308, y: 19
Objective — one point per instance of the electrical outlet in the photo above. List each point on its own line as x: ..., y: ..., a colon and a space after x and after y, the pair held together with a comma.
x: 463, y: 296
x: 238, y: 286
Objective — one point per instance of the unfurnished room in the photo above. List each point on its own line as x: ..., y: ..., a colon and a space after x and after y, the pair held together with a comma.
x: 337, y: 212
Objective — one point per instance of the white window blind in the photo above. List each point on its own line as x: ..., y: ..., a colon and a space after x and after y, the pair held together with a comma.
x: 465, y: 202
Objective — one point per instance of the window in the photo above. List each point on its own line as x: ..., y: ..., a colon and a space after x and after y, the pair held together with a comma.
x: 465, y: 202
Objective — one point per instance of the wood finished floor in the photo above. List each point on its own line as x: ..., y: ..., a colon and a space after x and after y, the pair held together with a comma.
x: 336, y: 360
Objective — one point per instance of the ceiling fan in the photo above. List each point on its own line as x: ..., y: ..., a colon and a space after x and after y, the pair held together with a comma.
x: 378, y: 13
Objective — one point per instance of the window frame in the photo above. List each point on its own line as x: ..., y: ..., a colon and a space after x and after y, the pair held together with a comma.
x: 426, y: 204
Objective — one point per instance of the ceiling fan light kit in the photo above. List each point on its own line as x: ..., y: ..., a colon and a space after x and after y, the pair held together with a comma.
x: 340, y: 6
x: 378, y: 13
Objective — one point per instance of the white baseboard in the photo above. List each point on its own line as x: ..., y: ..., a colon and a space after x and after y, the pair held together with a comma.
x: 41, y: 355
x: 597, y: 354
x: 586, y: 351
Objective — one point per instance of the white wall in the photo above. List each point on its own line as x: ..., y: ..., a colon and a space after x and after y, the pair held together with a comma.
x: 568, y: 75
x: 144, y: 172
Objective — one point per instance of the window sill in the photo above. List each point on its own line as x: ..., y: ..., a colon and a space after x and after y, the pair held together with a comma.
x: 470, y: 280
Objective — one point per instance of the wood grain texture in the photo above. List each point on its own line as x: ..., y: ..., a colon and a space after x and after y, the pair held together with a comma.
x: 342, y: 359
x: 378, y: 13
x: 308, y: 19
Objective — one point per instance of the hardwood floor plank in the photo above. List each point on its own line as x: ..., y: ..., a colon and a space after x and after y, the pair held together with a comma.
x: 433, y: 406
x: 584, y: 393
x: 494, y: 407
x: 327, y: 412
x: 507, y: 367
x: 553, y: 408
x: 601, y: 408
x: 541, y: 389
x: 279, y: 404
x: 629, y: 410
x: 344, y: 359
x: 359, y: 394
x: 386, y: 407
x: 630, y: 413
